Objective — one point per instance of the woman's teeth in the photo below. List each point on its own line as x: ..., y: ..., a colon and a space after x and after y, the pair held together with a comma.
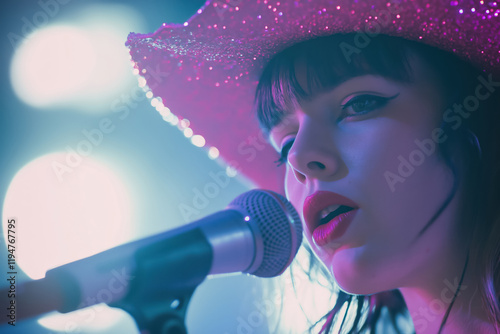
x: 325, y: 212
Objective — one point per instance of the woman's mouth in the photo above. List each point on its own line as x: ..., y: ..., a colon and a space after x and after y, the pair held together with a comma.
x: 333, y: 226
x: 328, y: 215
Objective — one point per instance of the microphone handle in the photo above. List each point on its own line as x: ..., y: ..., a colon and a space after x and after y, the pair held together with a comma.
x: 148, y: 268
x: 36, y: 297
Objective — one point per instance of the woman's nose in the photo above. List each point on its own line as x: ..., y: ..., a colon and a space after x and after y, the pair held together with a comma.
x: 313, y: 154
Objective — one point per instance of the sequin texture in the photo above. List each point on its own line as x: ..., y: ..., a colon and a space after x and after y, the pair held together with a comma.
x: 206, y: 70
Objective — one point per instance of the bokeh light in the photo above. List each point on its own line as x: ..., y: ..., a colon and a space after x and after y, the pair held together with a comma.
x: 53, y: 65
x: 188, y: 132
x: 83, y: 64
x: 198, y: 140
x: 213, y: 152
x: 65, y: 211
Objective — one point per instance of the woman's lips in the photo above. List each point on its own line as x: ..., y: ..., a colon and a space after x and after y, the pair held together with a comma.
x: 335, y: 228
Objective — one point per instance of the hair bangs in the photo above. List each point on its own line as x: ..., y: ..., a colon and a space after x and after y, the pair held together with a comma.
x: 309, y: 68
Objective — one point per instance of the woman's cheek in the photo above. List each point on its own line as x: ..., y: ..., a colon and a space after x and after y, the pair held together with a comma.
x: 293, y: 189
x: 295, y: 193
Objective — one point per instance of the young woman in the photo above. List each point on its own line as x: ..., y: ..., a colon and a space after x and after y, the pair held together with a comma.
x: 383, y: 157
x: 385, y: 116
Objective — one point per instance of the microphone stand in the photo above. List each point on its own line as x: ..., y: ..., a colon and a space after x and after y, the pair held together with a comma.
x: 163, y: 274
x: 165, y: 315
x: 158, y: 298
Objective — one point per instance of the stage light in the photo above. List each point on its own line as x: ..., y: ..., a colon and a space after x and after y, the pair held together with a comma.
x: 82, y: 64
x: 65, y: 211
x: 53, y: 65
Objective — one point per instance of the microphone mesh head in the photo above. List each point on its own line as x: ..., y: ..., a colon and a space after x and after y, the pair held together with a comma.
x: 279, y: 225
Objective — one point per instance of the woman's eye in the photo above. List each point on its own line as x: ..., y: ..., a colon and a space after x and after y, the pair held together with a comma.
x: 363, y: 104
x: 284, y: 153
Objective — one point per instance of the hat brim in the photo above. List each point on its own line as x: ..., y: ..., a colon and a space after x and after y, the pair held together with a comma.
x: 206, y: 70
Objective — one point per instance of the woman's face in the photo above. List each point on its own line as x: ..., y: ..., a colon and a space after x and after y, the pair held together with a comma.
x: 372, y: 141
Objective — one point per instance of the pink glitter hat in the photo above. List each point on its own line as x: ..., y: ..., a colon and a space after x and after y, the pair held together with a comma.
x: 203, y: 74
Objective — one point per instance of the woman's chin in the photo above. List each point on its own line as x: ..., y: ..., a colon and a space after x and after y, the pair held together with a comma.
x: 356, y: 275
x: 355, y: 285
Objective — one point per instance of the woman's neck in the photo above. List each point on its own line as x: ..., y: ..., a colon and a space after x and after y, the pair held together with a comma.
x: 428, y: 306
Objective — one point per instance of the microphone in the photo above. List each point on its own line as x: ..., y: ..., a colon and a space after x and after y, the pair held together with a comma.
x: 259, y: 233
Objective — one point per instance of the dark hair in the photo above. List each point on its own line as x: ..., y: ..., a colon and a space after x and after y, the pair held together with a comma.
x: 472, y: 151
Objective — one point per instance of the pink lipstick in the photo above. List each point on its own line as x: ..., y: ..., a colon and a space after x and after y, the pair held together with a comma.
x: 328, y: 215
x: 334, y: 229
